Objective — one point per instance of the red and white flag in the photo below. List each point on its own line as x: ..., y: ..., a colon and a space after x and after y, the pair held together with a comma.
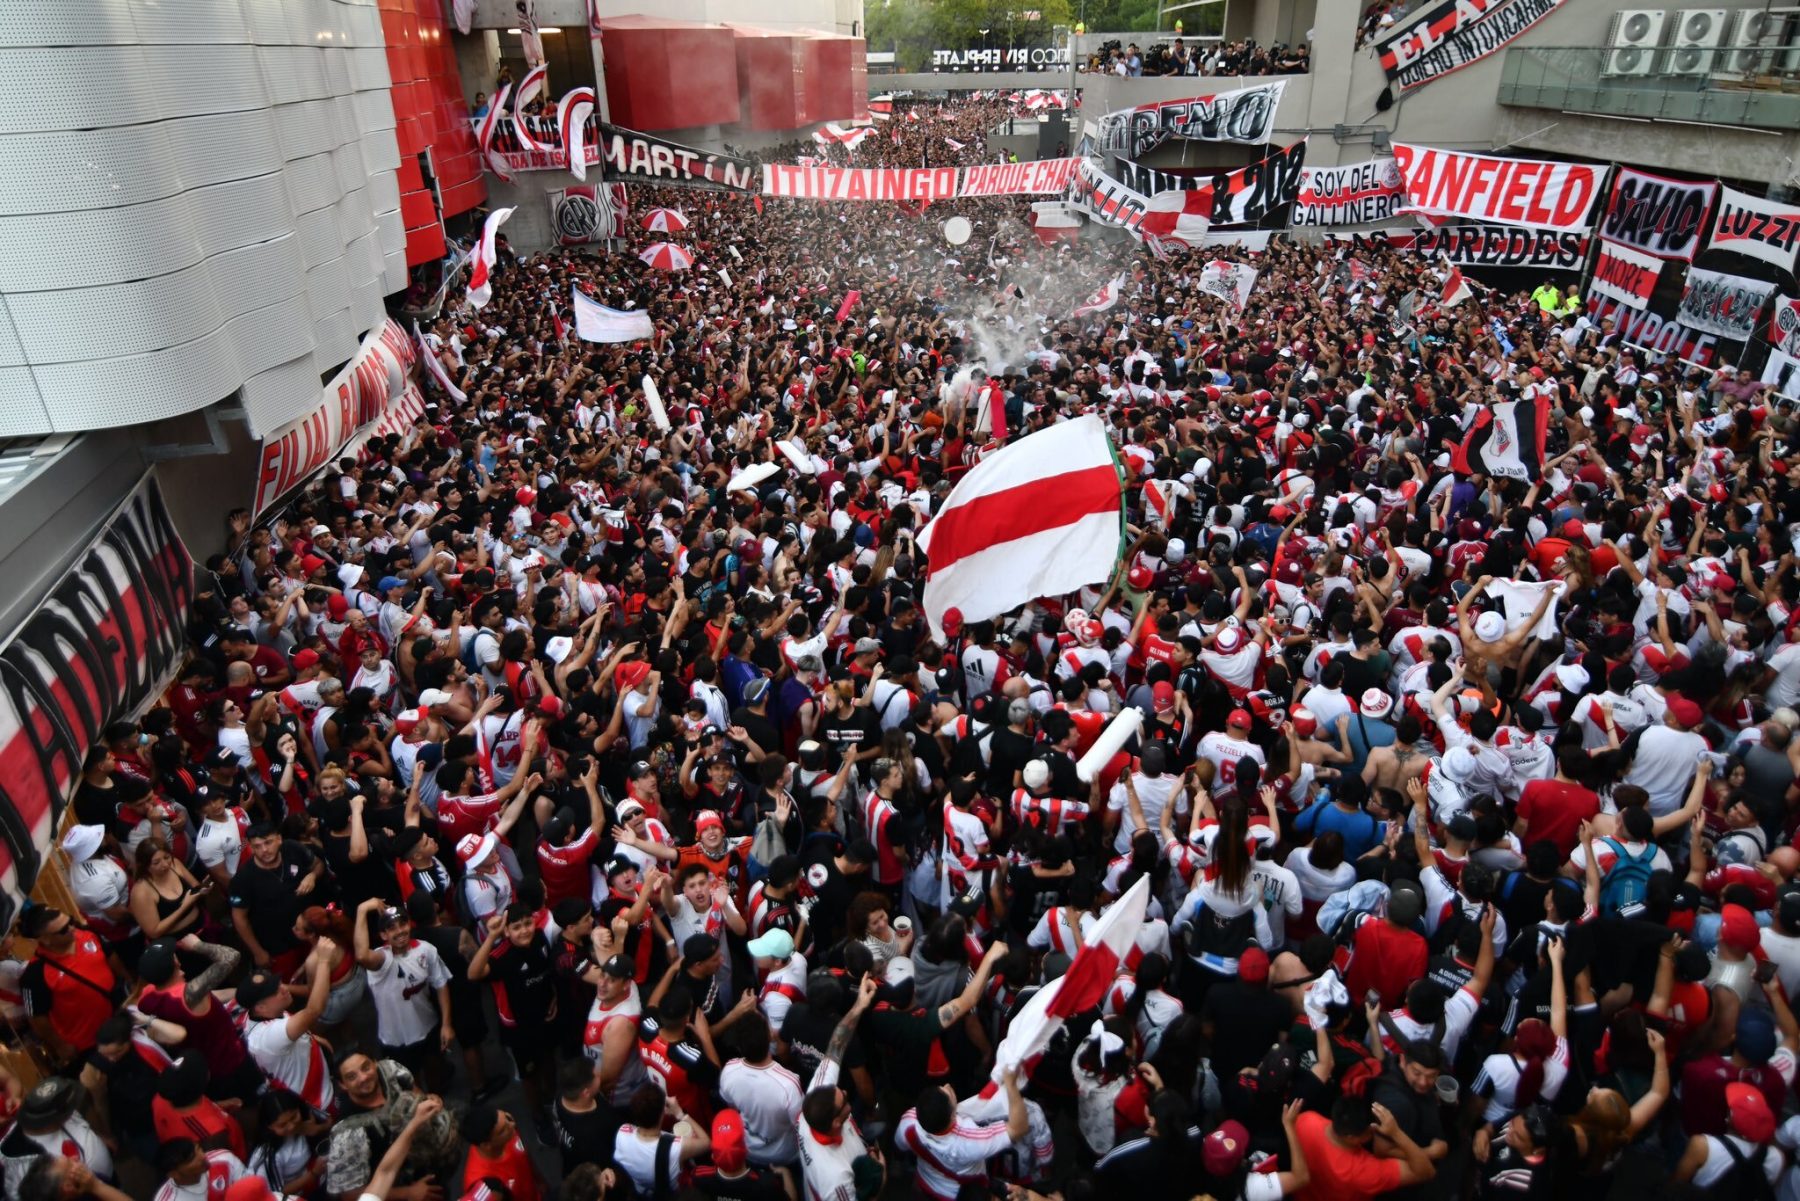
x: 529, y: 87
x: 435, y: 366
x: 1179, y: 215
x: 954, y: 144
x: 1040, y: 517
x: 464, y: 13
x: 1456, y: 290
x: 484, y: 134
x: 1104, y: 299
x: 572, y: 112
x: 481, y: 263
x: 1096, y: 965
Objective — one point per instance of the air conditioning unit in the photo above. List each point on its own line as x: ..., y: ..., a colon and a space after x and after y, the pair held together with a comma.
x: 1752, y: 38
x: 1635, y: 36
x: 1694, y: 50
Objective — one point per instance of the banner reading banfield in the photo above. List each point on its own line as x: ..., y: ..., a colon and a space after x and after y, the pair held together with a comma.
x: 1353, y: 194
x: 1450, y: 35
x: 913, y: 184
x: 1657, y: 215
x: 373, y: 395
x: 1246, y: 115
x: 1512, y: 191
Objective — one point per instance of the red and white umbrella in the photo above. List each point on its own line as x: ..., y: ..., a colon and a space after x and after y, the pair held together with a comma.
x: 666, y: 256
x: 664, y: 221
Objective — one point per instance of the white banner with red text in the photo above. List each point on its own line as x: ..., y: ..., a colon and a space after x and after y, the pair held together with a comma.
x: 372, y: 396
x: 1759, y: 228
x: 1625, y: 275
x: 1511, y: 191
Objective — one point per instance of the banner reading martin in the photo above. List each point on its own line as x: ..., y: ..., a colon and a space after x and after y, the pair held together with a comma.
x: 1246, y: 115
x: 1450, y: 35
x: 1725, y: 305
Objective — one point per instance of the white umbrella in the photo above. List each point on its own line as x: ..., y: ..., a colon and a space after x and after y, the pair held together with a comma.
x: 666, y: 256
x: 664, y: 221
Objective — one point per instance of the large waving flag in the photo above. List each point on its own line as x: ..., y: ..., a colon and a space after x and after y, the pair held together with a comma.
x: 1506, y: 439
x: 594, y: 322
x: 1104, y: 299
x: 1040, y: 517
x: 572, y: 112
x: 484, y: 133
x: 481, y: 271
x: 527, y: 91
x: 435, y: 366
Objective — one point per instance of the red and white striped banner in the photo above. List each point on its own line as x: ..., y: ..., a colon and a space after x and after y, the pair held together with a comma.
x: 1626, y: 275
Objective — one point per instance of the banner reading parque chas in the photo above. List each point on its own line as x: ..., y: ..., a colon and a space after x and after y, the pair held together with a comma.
x: 1452, y: 34
x: 912, y: 184
x: 372, y: 396
x: 1246, y: 115
x: 1512, y: 191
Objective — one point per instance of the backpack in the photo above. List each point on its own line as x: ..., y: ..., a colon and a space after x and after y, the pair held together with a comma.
x: 1627, y: 879
x: 1215, y: 941
x: 1449, y: 926
x: 1746, y: 1180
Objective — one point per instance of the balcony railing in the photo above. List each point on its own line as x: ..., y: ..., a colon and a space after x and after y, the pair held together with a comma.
x: 1758, y: 87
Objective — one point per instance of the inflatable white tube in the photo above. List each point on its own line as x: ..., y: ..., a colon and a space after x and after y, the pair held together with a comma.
x: 658, y: 414
x: 1112, y: 739
x: 747, y: 479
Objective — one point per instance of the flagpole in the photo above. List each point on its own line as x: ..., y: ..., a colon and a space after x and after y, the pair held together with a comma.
x: 1124, y: 519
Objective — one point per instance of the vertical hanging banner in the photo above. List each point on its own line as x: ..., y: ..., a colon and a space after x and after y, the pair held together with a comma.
x: 1246, y: 115
x: 1625, y: 275
x: 1782, y: 372
x: 1512, y: 191
x: 1657, y: 215
x: 1759, y: 228
x: 1784, y: 326
x: 1725, y: 305
x: 101, y: 646
x: 1452, y: 34
x: 1353, y: 194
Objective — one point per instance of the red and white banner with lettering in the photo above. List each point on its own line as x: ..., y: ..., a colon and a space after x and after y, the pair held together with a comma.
x: 1353, y: 194
x: 1759, y: 228
x: 103, y: 644
x: 1784, y: 326
x: 1658, y: 215
x: 372, y: 396
x: 913, y: 184
x: 1512, y: 191
x: 1625, y: 275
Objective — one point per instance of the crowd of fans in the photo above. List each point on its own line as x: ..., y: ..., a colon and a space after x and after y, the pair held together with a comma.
x: 537, y: 815
x: 1242, y: 57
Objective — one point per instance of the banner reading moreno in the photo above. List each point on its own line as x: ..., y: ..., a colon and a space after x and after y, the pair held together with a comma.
x: 914, y: 184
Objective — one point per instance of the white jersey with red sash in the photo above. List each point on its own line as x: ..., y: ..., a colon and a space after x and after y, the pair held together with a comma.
x: 296, y: 1065
x: 600, y: 1016
x: 1052, y: 814
x: 223, y: 1170
x: 947, y: 1161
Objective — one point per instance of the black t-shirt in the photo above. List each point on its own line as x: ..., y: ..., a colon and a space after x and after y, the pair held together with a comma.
x: 845, y: 733
x: 831, y: 891
x: 586, y: 1137
x: 1009, y: 753
x: 268, y: 899
x: 807, y: 1031
x: 755, y: 1184
x: 526, y: 980
x: 1418, y: 1116
x: 762, y: 731
x: 1247, y: 1019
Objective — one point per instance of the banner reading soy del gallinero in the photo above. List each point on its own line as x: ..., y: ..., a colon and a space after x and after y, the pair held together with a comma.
x: 1453, y: 34
x: 1512, y: 191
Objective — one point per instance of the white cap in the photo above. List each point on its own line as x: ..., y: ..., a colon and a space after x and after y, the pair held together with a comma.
x: 1490, y: 627
x: 433, y: 696
x: 558, y: 648
x: 83, y: 842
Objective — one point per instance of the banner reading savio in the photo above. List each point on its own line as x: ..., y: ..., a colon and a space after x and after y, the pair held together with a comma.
x: 1450, y: 35
x: 583, y: 213
x: 1725, y: 305
x: 1353, y: 194
x: 1657, y: 215
x: 1625, y: 275
x: 1759, y: 228
x: 1512, y: 191
x: 101, y: 646
x: 1246, y: 115
x: 373, y: 395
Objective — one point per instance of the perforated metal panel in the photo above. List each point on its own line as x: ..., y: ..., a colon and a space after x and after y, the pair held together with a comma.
x: 68, y: 23
x: 22, y: 410
x: 320, y: 241
x: 293, y: 73
x: 275, y: 396
x: 190, y: 22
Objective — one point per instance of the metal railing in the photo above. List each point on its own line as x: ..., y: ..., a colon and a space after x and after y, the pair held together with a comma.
x: 1757, y: 87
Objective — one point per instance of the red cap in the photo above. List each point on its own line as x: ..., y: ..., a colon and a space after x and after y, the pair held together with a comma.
x: 729, y: 1150
x: 1162, y: 695
x: 525, y: 496
x: 312, y: 563
x: 1224, y: 1149
x: 1685, y: 711
x: 407, y: 722
x: 305, y: 658
x: 1738, y: 929
x: 552, y: 707
x: 1750, y: 1112
x: 1574, y: 531
x: 337, y: 606
x: 1253, y: 966
x: 1305, y: 724
x: 630, y: 675
x: 1239, y: 719
x: 1717, y: 492
x: 249, y: 1188
x: 953, y: 621
x: 1290, y: 572
x: 1140, y: 577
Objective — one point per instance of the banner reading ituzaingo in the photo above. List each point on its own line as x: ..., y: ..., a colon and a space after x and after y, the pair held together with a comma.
x: 1759, y: 228
x: 1353, y: 194
x: 1725, y: 305
x: 911, y: 184
x: 1454, y: 33
x: 1246, y: 115
x: 1625, y: 275
x: 1512, y: 191
x: 1657, y: 215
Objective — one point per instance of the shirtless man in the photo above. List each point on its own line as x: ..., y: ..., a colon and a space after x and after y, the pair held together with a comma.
x: 1395, y: 765
x: 1488, y: 648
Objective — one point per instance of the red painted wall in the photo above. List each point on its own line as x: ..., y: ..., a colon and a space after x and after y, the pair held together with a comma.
x: 833, y: 94
x: 669, y: 74
x: 774, y: 88
x: 429, y: 113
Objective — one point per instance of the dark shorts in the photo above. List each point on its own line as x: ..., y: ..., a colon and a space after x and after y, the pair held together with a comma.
x: 530, y: 1046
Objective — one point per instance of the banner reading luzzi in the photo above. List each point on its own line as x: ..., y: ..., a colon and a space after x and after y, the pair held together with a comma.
x: 1353, y: 194
x: 1246, y: 115
x: 1625, y: 275
x: 1725, y: 305
x: 1761, y: 229
x: 101, y: 646
x: 1657, y: 215
x: 1450, y: 35
x: 1512, y: 191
